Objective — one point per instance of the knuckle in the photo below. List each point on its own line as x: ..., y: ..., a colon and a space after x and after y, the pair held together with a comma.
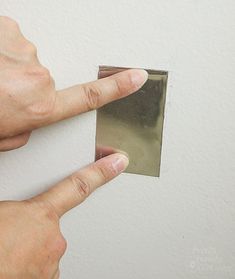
x: 44, y: 75
x: 63, y: 245
x: 81, y: 185
x: 60, y: 245
x: 40, y: 73
x: 9, y: 22
x: 92, y: 96
x: 39, y: 78
x: 29, y: 48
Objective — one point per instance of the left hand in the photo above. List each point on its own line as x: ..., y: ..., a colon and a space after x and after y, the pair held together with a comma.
x: 28, y: 98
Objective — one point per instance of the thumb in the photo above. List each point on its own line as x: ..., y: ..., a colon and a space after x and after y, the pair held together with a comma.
x: 74, y: 189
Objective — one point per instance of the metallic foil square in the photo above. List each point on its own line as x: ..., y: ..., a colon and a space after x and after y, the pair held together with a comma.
x: 134, y: 124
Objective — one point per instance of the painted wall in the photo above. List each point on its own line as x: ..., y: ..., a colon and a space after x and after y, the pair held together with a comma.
x: 183, y: 224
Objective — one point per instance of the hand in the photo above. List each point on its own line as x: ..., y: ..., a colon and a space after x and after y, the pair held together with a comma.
x: 31, y: 243
x: 28, y: 99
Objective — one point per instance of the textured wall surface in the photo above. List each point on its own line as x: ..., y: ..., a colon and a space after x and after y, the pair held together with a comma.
x: 183, y: 224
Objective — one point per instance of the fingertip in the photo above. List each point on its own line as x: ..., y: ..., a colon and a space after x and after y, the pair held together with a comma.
x: 120, y: 162
x: 139, y: 77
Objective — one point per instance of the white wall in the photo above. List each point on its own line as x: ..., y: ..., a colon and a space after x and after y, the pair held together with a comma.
x: 183, y: 224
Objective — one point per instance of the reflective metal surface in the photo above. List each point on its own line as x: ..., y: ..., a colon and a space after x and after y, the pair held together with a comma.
x: 134, y: 124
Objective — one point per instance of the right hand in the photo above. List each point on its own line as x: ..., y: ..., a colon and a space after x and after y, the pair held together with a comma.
x: 31, y: 243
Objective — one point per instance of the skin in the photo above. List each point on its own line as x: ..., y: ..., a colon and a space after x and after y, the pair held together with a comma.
x: 31, y: 243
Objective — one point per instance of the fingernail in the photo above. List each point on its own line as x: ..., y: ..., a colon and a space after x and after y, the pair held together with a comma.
x: 122, y: 152
x: 120, y: 163
x: 139, y: 77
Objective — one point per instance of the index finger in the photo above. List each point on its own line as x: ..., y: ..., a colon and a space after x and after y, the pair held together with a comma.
x: 92, y: 95
x: 76, y: 188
